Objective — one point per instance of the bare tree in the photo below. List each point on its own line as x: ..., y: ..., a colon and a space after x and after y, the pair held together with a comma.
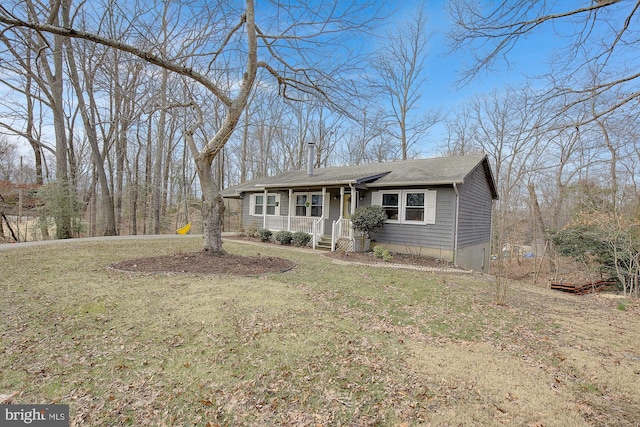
x: 48, y: 73
x: 8, y: 159
x: 600, y: 38
x: 277, y: 48
x: 400, y: 78
x: 87, y: 113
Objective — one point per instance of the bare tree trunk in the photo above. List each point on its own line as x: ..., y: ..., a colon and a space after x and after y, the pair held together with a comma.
x: 134, y: 183
x: 35, y: 145
x: 540, y: 226
x: 612, y: 164
x: 93, y: 207
x: 107, y: 207
x: 156, y: 197
x: 121, y: 151
x: 63, y: 210
x: 147, y: 179
x: 212, y: 208
x: 244, y: 148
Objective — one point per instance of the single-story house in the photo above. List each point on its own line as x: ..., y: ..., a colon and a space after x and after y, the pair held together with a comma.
x: 438, y: 207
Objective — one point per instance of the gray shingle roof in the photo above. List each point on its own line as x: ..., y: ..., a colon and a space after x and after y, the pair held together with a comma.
x: 428, y: 172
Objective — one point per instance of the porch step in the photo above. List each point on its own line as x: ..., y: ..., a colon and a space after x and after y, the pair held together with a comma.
x: 324, y: 243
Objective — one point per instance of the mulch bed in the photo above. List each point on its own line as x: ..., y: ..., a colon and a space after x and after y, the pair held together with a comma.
x: 203, y: 263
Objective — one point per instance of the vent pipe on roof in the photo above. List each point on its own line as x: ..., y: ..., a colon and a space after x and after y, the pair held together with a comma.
x: 311, y: 157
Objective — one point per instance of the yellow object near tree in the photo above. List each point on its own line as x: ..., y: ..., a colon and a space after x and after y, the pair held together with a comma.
x: 184, y: 230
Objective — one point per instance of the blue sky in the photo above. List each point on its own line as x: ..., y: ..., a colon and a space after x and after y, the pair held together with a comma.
x: 442, y: 91
x: 529, y: 58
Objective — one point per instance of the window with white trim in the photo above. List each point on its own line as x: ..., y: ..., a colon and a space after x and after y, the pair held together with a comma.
x: 414, y: 207
x: 407, y: 206
x: 257, y: 204
x: 391, y: 205
x: 309, y: 204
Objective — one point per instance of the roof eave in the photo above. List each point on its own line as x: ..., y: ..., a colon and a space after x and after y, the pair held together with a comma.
x: 306, y: 184
x: 414, y: 183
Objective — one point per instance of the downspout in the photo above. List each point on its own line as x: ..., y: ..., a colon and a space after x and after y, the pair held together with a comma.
x: 325, y: 214
x: 455, y: 225
x: 354, y: 199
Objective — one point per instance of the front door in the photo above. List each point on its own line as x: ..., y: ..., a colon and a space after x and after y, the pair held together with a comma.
x: 346, y: 207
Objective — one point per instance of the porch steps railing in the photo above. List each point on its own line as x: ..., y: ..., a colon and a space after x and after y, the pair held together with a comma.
x: 340, y: 229
x: 317, y: 231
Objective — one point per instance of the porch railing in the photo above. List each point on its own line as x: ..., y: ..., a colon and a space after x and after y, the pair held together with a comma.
x: 340, y: 229
x: 317, y: 231
x: 278, y: 223
x: 311, y: 225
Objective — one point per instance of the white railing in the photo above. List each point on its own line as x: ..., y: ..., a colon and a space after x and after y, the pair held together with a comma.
x: 317, y: 230
x: 340, y: 229
x: 310, y: 225
x: 302, y: 224
x: 276, y: 223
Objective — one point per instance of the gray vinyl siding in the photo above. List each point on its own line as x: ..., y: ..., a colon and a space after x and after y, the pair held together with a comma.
x: 474, y: 222
x: 247, y: 219
x: 437, y: 236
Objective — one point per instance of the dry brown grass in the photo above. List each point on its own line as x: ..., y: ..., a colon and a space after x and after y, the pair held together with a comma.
x: 323, y: 344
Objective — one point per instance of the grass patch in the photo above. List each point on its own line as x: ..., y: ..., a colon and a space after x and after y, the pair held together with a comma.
x: 321, y: 344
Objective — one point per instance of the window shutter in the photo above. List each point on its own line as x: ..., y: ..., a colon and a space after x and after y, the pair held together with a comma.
x: 376, y: 198
x: 252, y: 204
x: 430, y: 207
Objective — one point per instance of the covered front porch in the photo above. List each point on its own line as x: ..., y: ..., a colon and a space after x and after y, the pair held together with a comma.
x: 324, y: 213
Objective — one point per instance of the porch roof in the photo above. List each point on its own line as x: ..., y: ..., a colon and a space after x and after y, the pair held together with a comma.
x: 427, y: 172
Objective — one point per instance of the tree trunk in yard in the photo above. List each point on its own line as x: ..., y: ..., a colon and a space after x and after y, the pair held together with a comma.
x: 212, y: 207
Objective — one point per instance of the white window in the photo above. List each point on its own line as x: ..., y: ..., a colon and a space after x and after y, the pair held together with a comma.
x: 407, y: 206
x: 414, y: 207
x: 259, y: 205
x: 308, y: 204
x: 391, y: 204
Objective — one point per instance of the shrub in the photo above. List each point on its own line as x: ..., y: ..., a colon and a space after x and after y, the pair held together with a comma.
x: 264, y: 234
x: 366, y: 219
x: 252, y: 230
x: 300, y: 238
x: 380, y: 252
x: 284, y: 237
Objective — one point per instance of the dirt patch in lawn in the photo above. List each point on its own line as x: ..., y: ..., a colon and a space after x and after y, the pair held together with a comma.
x: 203, y: 263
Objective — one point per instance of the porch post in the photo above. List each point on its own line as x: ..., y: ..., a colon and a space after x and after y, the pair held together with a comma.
x: 324, y: 208
x: 354, y: 200
x: 334, y: 237
x: 291, y: 203
x: 264, y: 209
